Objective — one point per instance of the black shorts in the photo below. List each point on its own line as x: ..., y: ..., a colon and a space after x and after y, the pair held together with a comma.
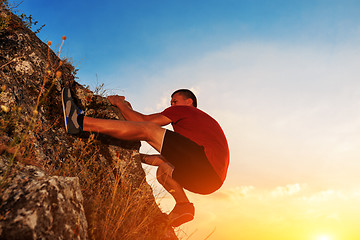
x: 192, y: 169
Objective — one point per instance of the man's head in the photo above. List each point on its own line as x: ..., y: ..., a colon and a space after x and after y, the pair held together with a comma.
x: 183, y: 97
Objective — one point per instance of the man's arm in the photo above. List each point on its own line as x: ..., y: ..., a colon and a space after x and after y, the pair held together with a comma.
x: 131, y: 115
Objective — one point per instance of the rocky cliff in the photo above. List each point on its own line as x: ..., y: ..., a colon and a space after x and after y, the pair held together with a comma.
x: 57, y: 186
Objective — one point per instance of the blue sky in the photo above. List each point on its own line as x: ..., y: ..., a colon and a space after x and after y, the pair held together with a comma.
x: 122, y: 37
x: 281, y: 77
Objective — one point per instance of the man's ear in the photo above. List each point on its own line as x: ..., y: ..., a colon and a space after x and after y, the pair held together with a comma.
x: 189, y: 102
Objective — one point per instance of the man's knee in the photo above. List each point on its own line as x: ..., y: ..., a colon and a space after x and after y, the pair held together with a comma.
x: 153, y: 134
x: 151, y: 130
x: 154, y: 160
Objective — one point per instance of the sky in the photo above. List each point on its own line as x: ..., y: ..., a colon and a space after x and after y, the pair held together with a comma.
x: 281, y: 78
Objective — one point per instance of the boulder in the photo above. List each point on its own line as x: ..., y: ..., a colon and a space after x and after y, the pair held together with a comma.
x: 35, y: 205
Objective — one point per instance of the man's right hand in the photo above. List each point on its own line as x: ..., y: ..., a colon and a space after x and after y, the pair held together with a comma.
x: 119, y: 101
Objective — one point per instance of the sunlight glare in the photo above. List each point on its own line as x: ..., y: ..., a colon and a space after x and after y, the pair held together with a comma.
x: 324, y: 237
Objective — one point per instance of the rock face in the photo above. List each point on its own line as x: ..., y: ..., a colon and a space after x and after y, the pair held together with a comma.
x: 57, y: 186
x: 39, y: 206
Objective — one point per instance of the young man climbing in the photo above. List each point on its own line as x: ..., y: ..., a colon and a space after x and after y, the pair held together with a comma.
x: 195, y: 156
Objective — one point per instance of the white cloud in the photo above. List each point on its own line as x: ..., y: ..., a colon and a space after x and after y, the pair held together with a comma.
x: 298, y: 193
x: 235, y: 193
x: 327, y: 195
x: 287, y: 190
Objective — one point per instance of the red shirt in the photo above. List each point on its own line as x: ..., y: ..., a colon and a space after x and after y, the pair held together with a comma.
x: 201, y: 128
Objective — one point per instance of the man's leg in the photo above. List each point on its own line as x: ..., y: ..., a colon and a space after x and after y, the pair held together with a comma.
x: 127, y: 130
x: 164, y: 177
x: 184, y: 210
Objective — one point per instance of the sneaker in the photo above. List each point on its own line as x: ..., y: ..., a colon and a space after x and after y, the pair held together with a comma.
x: 182, y: 213
x: 71, y: 112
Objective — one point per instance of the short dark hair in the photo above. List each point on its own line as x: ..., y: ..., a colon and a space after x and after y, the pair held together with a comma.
x: 186, y: 93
